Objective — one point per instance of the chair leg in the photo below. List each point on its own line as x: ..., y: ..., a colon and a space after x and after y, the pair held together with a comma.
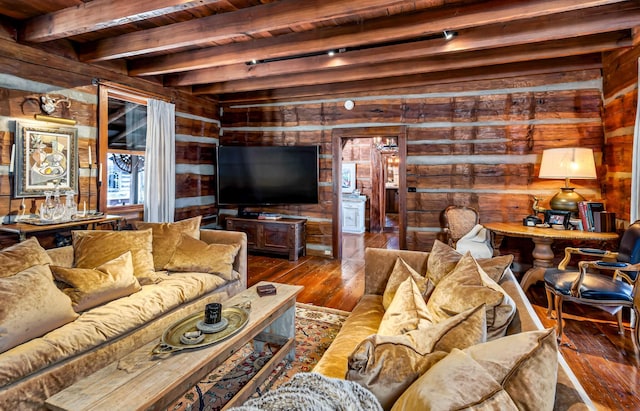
x: 620, y: 326
x: 558, y: 300
x: 635, y: 328
x: 550, y: 302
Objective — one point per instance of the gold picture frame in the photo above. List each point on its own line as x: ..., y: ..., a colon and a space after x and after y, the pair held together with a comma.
x: 46, y: 159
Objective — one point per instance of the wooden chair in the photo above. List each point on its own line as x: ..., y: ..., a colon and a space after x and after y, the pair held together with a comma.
x: 594, y: 285
x: 458, y: 221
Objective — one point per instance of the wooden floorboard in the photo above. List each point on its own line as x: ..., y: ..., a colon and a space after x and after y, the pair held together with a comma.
x: 604, y: 361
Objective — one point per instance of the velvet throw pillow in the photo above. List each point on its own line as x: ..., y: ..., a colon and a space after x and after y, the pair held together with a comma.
x: 402, y: 271
x: 89, y: 288
x: 407, y: 311
x: 387, y: 365
x: 21, y: 256
x: 468, y: 286
x: 92, y: 248
x: 31, y: 306
x: 166, y: 237
x: 193, y: 255
x: 517, y: 372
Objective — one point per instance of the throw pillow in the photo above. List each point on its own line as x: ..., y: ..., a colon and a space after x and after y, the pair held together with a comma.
x: 89, y: 288
x: 193, y: 255
x: 92, y: 248
x: 468, y: 286
x: 21, y: 256
x: 166, y: 237
x: 517, y: 372
x: 443, y: 259
x: 31, y: 306
x: 402, y: 271
x: 407, y: 311
x: 387, y: 365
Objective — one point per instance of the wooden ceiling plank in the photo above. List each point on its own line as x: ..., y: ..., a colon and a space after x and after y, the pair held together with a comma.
x: 547, y: 50
x: 101, y: 14
x: 247, y: 21
x: 280, y: 14
x: 369, y: 32
x: 503, y: 35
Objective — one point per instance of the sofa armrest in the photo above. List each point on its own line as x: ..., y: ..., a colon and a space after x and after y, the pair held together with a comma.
x: 379, y: 262
x: 62, y: 256
x: 230, y: 237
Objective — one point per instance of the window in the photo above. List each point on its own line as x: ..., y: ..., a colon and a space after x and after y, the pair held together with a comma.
x: 122, y: 142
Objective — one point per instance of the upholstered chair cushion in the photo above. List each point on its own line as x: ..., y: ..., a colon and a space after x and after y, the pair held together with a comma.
x: 517, y: 372
x: 407, y: 311
x: 92, y: 248
x: 387, y: 365
x: 402, y: 271
x: 193, y: 255
x: 21, y: 256
x: 31, y: 306
x: 468, y: 286
x: 166, y: 237
x: 89, y: 288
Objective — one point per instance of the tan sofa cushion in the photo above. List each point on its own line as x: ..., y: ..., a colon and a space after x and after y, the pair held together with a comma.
x: 193, y: 255
x: 166, y: 237
x: 407, y: 311
x: 89, y: 288
x: 387, y: 365
x: 402, y: 271
x: 468, y: 286
x: 21, y: 256
x: 517, y: 372
x: 93, y: 248
x: 31, y: 306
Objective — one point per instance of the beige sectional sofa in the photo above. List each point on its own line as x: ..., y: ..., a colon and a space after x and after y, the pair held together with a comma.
x: 376, y: 362
x: 91, y: 338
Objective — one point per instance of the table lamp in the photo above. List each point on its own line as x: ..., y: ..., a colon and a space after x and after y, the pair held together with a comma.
x: 567, y: 163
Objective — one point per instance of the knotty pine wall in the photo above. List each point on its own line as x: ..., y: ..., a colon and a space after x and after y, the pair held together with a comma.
x: 620, y: 89
x: 476, y: 143
x: 26, y: 73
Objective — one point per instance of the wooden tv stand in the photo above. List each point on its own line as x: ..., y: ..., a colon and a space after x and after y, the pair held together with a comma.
x: 284, y: 236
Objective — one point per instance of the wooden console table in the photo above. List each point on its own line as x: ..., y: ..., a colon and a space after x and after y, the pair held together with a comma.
x: 542, y: 239
x: 285, y: 236
x: 24, y: 229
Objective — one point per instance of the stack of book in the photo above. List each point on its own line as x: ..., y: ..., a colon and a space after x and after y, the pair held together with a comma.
x: 595, y: 218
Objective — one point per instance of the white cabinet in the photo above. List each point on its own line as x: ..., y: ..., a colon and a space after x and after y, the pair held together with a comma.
x: 353, y: 209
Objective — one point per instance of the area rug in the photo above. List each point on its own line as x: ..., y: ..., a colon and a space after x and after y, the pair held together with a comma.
x: 316, y: 328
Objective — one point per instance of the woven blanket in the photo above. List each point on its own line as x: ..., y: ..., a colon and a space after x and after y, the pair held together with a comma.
x: 308, y: 391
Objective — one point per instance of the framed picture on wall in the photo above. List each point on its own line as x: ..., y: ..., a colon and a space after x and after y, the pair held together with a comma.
x: 46, y: 159
x: 348, y: 177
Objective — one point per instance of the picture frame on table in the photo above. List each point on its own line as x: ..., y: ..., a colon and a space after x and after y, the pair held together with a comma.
x: 46, y: 159
x: 558, y: 217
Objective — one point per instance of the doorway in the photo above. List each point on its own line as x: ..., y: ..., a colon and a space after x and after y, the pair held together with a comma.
x: 379, y: 176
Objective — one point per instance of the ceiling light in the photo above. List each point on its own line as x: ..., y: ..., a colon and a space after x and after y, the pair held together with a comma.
x: 331, y: 53
x: 448, y: 35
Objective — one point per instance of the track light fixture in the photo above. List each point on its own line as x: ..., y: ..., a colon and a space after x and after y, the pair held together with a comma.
x: 448, y: 34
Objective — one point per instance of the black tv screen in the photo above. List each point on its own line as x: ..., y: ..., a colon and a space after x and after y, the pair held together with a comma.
x: 267, y: 175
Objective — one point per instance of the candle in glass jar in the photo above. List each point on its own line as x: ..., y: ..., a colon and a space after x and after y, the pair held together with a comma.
x: 13, y: 158
x: 90, y: 162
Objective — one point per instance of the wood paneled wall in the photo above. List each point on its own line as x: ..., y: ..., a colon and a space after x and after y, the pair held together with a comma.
x: 620, y: 88
x: 27, y: 73
x: 475, y: 143
x: 358, y: 151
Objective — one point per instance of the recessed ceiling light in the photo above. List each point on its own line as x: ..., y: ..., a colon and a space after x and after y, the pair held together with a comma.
x: 448, y: 35
x: 331, y: 53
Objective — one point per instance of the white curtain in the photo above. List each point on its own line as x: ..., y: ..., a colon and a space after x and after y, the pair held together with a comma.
x: 635, y: 173
x: 159, y: 168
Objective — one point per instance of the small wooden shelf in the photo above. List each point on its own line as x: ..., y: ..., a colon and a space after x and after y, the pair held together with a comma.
x: 285, y: 236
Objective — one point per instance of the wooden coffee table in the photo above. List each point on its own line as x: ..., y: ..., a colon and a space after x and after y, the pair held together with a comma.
x: 142, y: 381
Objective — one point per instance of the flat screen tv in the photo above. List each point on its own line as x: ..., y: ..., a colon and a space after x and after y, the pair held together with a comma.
x: 267, y: 175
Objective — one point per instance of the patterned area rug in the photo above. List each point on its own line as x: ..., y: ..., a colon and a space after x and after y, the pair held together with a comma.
x: 316, y: 327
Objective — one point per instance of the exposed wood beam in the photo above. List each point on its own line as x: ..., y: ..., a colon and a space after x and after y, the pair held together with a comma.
x: 369, y: 32
x: 560, y: 48
x: 101, y: 14
x: 244, y: 22
x: 503, y: 35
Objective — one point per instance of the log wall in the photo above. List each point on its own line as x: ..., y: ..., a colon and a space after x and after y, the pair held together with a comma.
x: 476, y: 143
x: 27, y: 73
x: 620, y: 89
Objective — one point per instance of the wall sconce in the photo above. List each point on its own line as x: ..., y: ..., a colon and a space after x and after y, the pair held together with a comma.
x: 567, y: 163
x: 48, y: 105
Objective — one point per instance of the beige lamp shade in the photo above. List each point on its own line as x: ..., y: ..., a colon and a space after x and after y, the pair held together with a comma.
x: 567, y: 163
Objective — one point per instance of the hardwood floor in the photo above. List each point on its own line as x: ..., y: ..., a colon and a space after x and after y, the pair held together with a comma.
x: 604, y: 361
